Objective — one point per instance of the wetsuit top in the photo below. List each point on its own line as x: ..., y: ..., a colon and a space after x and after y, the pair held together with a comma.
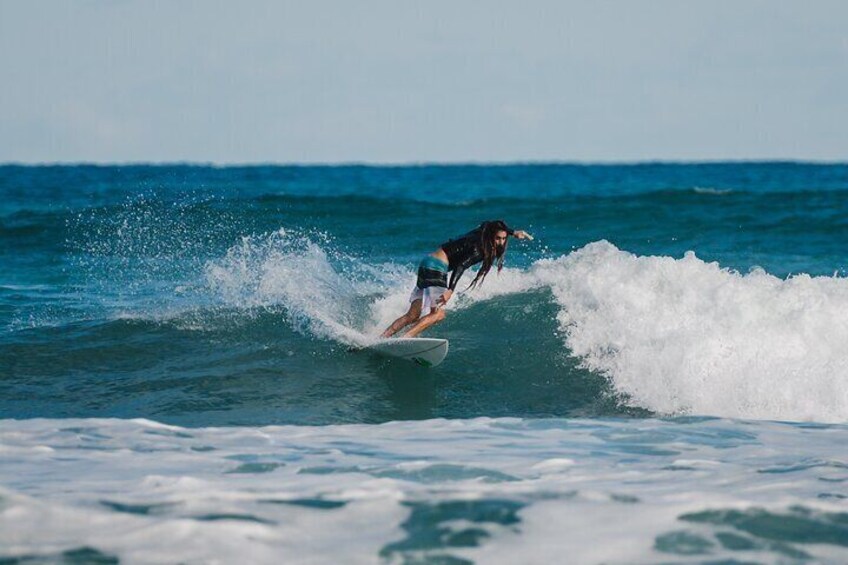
x: 464, y: 252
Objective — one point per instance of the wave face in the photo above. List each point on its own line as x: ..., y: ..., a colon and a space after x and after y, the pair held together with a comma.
x: 205, y: 296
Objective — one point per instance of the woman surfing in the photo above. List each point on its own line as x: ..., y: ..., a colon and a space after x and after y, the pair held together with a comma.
x: 486, y: 244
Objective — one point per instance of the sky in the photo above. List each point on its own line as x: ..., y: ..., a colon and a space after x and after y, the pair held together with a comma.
x: 398, y: 81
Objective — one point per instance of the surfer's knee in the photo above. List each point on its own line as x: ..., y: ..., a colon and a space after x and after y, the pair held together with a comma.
x: 439, y: 314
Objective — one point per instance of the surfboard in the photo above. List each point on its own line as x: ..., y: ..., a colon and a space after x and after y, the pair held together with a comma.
x: 426, y: 351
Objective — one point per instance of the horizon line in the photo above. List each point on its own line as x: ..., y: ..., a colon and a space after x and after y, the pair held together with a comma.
x: 413, y: 164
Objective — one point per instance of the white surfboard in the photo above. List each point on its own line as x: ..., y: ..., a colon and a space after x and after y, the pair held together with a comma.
x: 426, y: 351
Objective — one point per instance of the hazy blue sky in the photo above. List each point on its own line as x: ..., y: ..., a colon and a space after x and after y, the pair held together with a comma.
x: 404, y: 81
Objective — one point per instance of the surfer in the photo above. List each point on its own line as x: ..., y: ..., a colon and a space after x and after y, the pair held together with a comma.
x: 485, y: 244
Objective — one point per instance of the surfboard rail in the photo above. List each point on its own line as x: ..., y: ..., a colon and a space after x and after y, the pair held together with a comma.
x: 425, y: 351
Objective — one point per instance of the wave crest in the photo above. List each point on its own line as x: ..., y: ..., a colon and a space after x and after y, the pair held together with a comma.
x: 686, y: 336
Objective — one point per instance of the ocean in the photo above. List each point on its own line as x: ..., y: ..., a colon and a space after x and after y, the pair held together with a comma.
x: 661, y: 376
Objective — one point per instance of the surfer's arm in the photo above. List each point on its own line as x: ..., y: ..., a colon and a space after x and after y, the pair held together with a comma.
x: 521, y: 234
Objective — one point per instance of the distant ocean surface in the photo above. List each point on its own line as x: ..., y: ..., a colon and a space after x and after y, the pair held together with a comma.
x: 661, y: 376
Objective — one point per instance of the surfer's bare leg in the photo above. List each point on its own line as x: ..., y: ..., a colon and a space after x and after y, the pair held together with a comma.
x: 435, y: 316
x: 411, y: 315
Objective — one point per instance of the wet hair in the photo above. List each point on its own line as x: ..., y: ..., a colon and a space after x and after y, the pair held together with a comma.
x: 491, y: 253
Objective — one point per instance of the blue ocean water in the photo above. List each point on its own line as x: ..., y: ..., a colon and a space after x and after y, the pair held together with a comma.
x: 672, y: 312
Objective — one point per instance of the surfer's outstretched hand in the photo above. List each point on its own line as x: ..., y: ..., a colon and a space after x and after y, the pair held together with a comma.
x: 521, y: 234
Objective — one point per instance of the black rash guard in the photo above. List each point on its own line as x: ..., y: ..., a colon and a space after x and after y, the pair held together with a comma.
x: 464, y: 252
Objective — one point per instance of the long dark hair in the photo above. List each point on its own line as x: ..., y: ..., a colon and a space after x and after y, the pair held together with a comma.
x: 491, y: 253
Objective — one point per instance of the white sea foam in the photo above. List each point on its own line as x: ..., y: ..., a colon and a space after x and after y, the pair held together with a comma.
x: 487, y: 490
x: 685, y: 336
